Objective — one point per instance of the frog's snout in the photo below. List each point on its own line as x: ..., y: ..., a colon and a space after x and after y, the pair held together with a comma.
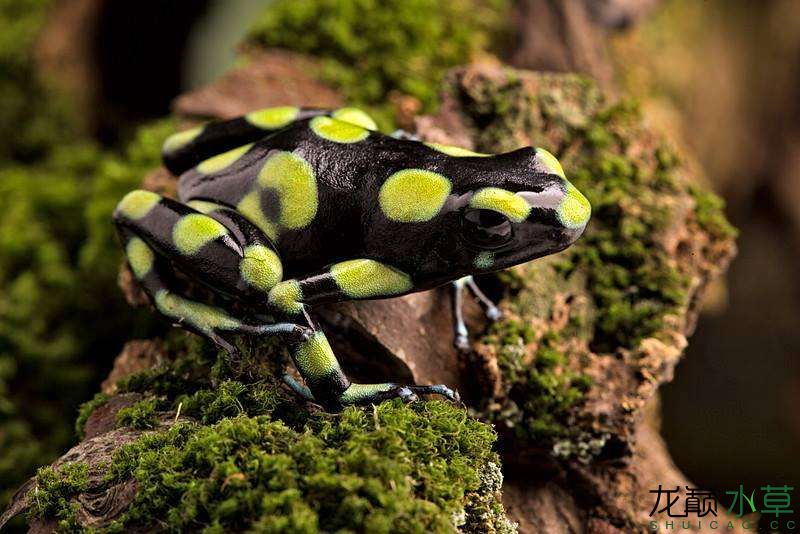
x: 573, y: 211
x: 572, y: 208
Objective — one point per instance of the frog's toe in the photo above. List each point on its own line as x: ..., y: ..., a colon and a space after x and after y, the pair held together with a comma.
x: 461, y: 342
x: 406, y: 395
x: 494, y: 313
x: 437, y: 389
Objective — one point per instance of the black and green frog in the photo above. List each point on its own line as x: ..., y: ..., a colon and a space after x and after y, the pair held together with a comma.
x: 287, y: 208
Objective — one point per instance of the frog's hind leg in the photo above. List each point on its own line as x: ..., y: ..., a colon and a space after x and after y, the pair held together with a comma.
x: 327, y: 384
x: 224, y: 252
x: 493, y: 313
x: 184, y: 150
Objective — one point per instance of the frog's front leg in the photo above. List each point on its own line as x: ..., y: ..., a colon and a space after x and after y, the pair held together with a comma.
x: 461, y: 340
x: 316, y: 362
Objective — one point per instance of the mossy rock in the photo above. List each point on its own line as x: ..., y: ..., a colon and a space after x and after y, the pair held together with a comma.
x: 220, y: 446
x: 588, y: 334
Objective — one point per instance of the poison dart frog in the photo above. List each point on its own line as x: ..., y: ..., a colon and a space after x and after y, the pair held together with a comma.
x: 286, y: 208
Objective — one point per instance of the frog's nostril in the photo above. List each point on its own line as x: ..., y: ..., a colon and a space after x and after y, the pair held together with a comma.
x: 574, y: 210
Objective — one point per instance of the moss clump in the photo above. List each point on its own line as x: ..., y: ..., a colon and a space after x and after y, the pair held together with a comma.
x: 141, y: 416
x: 55, y: 488
x: 395, y: 468
x: 251, y: 456
x: 370, y: 48
x: 549, y: 390
x: 541, y: 385
x: 709, y: 209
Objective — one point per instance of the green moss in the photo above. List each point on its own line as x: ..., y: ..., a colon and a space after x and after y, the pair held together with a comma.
x: 542, y: 388
x: 370, y: 48
x: 86, y: 409
x: 392, y: 468
x: 141, y: 416
x: 55, y: 488
x: 622, y: 284
x: 257, y: 459
x: 252, y: 456
x: 709, y: 210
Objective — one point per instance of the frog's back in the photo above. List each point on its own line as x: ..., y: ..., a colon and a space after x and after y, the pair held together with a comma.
x: 302, y: 185
x: 313, y: 187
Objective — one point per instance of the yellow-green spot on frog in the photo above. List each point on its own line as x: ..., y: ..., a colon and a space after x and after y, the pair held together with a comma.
x: 502, y: 201
x: 193, y: 231
x: 250, y: 207
x: 203, y: 206
x: 346, y: 213
x: 137, y: 204
x: 224, y: 160
x: 287, y: 296
x: 316, y: 356
x: 200, y: 316
x: 414, y: 195
x: 574, y: 210
x: 484, y: 260
x: 140, y: 257
x: 293, y: 180
x: 550, y: 162
x: 367, y: 278
x: 261, y: 267
x: 273, y: 118
x: 338, y: 131
x: 456, y: 151
x: 179, y: 140
x: 355, y: 116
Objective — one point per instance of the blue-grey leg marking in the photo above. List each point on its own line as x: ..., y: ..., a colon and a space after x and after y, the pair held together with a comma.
x: 493, y: 313
x: 402, y: 134
x: 461, y: 333
x: 298, y: 388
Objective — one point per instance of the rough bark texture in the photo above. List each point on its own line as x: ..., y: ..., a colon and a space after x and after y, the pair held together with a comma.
x: 274, y: 78
x: 585, y: 463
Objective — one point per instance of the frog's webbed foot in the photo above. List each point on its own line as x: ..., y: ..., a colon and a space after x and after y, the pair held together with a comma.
x: 493, y: 313
x: 360, y: 394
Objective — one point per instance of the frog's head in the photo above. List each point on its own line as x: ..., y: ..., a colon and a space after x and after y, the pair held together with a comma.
x: 522, y: 208
x: 466, y: 213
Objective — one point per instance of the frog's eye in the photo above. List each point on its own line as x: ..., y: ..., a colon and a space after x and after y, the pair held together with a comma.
x: 486, y: 228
